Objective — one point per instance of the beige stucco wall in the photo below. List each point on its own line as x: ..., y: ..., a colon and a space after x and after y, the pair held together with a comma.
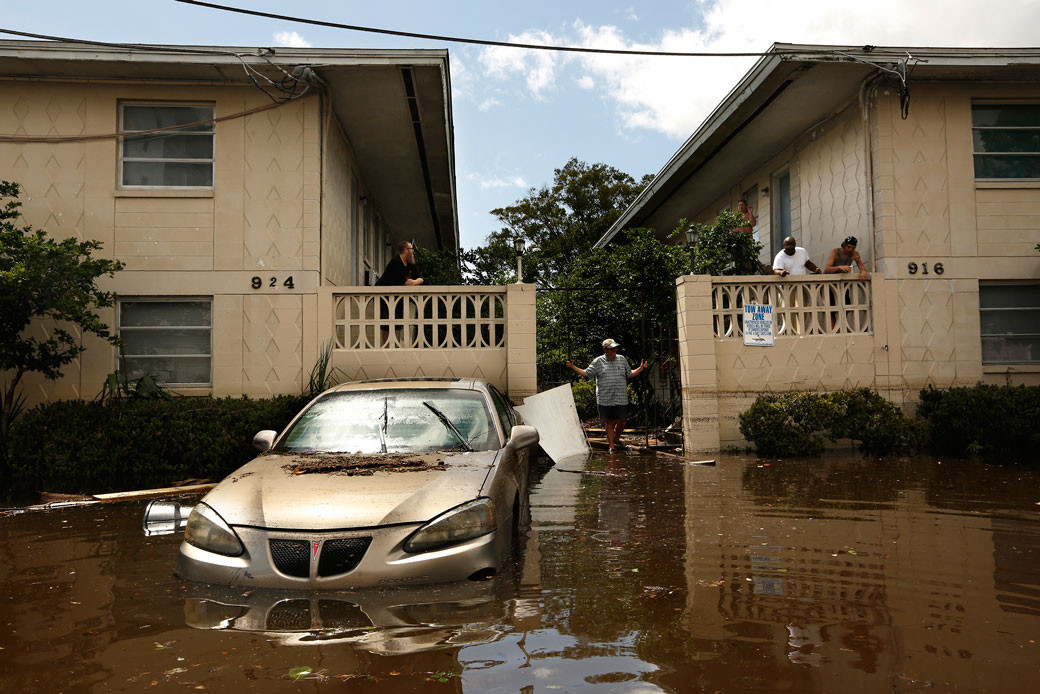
x: 926, y: 208
x: 263, y: 218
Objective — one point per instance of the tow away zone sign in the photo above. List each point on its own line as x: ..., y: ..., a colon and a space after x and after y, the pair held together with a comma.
x: 758, y: 325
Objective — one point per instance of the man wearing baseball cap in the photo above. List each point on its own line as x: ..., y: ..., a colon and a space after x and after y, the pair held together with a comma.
x: 612, y: 373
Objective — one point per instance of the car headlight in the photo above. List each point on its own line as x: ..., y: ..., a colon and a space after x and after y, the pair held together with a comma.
x: 471, y: 519
x: 207, y: 530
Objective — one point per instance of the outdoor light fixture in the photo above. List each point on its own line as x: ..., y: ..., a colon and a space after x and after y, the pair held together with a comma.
x: 518, y: 245
x: 691, y: 242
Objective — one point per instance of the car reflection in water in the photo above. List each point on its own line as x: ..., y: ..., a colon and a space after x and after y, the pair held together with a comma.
x: 379, y: 621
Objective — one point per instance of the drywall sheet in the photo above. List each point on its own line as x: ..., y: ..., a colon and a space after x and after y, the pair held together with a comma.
x: 553, y: 414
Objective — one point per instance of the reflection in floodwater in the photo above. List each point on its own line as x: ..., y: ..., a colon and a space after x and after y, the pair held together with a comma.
x: 637, y: 575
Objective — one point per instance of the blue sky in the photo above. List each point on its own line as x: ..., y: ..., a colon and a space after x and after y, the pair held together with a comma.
x: 521, y: 114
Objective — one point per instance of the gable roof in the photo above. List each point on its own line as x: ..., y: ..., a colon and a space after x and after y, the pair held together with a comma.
x: 394, y: 105
x: 783, y: 96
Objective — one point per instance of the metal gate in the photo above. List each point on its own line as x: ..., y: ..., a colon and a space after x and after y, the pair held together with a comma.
x: 564, y: 332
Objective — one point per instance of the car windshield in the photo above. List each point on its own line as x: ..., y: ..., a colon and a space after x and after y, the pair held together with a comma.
x: 394, y: 421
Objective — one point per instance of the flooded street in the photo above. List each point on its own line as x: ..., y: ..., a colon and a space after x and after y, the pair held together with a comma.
x: 637, y: 575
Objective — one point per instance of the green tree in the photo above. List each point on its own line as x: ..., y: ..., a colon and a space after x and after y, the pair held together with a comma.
x: 720, y: 251
x: 443, y: 267
x: 559, y: 222
x: 43, y: 279
x: 622, y: 291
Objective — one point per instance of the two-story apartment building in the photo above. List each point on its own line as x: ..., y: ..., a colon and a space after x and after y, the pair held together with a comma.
x: 245, y: 189
x: 931, y: 158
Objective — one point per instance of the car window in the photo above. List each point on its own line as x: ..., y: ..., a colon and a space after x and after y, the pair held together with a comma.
x: 505, y: 412
x: 392, y: 421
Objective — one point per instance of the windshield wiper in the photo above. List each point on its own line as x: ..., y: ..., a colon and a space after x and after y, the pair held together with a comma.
x: 451, y: 427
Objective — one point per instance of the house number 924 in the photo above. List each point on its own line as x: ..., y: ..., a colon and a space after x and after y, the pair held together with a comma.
x: 912, y: 268
x: 259, y: 282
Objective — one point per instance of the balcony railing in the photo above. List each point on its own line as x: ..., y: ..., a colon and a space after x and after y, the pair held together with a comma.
x: 809, y: 305
x: 416, y: 318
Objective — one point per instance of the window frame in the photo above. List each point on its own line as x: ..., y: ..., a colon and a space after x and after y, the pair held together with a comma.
x: 120, y: 328
x: 124, y: 134
x: 974, y: 128
x: 1005, y: 309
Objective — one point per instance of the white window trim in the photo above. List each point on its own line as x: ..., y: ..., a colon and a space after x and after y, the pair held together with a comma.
x: 169, y: 299
x: 212, y: 133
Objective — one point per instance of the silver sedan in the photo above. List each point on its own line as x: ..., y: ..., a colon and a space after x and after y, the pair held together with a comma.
x: 374, y: 483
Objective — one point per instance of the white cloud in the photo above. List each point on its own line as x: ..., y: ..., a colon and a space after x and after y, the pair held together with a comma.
x: 673, y: 95
x: 291, y: 39
x: 485, y: 182
x: 488, y: 103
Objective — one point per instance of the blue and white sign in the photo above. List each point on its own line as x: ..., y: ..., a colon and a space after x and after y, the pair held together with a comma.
x: 758, y: 325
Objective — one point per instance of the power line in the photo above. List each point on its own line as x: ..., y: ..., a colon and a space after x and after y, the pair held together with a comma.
x: 480, y: 42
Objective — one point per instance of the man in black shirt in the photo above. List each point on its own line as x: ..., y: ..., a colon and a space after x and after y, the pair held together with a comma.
x: 400, y: 271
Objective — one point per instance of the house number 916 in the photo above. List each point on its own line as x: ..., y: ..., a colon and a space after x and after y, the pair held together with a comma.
x: 912, y: 268
x: 258, y: 282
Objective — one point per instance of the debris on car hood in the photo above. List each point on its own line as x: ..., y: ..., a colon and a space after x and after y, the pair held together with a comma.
x: 362, y: 463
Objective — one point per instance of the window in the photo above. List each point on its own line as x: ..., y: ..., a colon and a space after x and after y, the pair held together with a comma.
x: 167, y: 339
x: 1010, y: 319
x: 173, y: 159
x: 781, y: 210
x: 1006, y: 140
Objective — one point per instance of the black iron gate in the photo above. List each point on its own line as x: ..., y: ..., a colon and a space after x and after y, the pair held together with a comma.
x: 566, y: 332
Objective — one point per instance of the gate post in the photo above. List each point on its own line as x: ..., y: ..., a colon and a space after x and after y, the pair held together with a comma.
x: 697, y: 367
x: 521, y: 345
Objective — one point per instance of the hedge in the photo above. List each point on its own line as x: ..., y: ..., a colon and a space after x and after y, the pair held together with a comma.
x: 80, y: 446
x: 995, y: 423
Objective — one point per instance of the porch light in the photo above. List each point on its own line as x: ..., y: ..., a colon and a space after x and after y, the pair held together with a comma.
x: 518, y: 246
x: 691, y: 242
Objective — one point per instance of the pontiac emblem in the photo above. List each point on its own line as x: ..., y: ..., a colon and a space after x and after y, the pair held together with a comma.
x: 315, y: 546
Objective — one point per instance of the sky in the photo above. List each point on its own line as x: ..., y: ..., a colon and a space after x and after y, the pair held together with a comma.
x: 521, y: 114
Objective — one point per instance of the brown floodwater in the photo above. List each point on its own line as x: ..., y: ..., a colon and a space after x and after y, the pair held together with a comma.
x: 636, y: 575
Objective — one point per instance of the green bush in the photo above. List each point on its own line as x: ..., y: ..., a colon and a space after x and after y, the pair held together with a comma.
x: 584, y: 392
x: 90, y: 447
x: 983, y: 421
x: 800, y: 424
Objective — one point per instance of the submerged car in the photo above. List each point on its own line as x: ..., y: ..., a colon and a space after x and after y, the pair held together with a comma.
x: 375, y: 483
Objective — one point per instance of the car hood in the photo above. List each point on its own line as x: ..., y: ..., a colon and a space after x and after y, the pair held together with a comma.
x: 270, y: 492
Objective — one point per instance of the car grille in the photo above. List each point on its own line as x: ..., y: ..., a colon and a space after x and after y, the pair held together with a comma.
x: 341, y: 556
x: 292, y: 557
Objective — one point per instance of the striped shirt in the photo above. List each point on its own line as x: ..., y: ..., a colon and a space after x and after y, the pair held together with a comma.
x: 611, y: 379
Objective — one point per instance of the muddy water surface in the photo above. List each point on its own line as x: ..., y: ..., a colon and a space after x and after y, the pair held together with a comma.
x: 836, y: 575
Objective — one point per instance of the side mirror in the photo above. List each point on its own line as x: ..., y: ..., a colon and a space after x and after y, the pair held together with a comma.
x: 264, y: 440
x: 522, y: 436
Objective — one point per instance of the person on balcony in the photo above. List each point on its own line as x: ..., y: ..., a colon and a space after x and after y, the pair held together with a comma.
x: 611, y: 372
x: 749, y: 217
x: 793, y: 260
x: 400, y: 271
x: 842, y: 259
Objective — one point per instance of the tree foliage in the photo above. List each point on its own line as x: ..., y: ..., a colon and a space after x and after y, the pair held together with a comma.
x: 558, y: 222
x: 443, y: 267
x: 721, y: 251
x: 44, y: 279
x: 622, y: 291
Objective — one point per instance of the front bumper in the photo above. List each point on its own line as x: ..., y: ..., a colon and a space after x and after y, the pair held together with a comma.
x: 383, y: 563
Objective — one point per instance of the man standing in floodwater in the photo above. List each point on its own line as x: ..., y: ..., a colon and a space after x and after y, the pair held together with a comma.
x: 612, y: 372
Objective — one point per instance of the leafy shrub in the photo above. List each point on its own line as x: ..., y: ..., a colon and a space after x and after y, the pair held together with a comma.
x: 585, y: 399
x: 800, y: 424
x: 985, y: 421
x: 120, y: 444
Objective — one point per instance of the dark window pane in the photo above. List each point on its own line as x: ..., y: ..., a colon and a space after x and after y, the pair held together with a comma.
x: 1007, y: 166
x: 1021, y: 321
x: 158, y: 313
x: 1009, y: 296
x: 1010, y: 350
x: 141, y: 173
x: 169, y: 146
x: 144, y: 341
x: 152, y: 117
x: 1005, y: 114
x: 1006, y: 140
x: 180, y: 370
